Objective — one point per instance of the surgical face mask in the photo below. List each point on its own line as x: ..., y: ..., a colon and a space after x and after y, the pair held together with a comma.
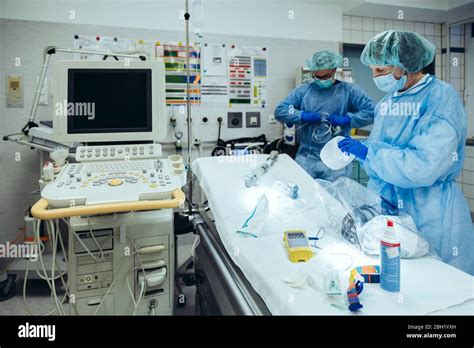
x: 254, y: 224
x: 324, y: 83
x: 388, y: 83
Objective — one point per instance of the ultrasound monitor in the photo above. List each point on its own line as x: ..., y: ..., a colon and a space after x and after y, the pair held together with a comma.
x: 109, y: 101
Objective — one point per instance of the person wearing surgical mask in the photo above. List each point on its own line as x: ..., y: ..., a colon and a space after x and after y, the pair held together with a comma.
x: 391, y: 78
x: 415, y: 150
x: 319, y: 108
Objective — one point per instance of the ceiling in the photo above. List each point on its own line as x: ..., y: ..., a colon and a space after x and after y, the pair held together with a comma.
x: 440, y: 5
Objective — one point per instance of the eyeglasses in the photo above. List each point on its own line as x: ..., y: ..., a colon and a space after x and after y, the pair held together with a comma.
x: 324, y: 77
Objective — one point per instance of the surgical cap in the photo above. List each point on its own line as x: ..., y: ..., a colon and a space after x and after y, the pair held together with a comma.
x: 404, y: 49
x: 324, y: 60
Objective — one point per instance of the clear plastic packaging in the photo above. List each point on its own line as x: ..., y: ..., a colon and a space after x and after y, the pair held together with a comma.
x: 412, y: 245
x: 360, y: 203
x: 359, y: 215
x: 290, y: 189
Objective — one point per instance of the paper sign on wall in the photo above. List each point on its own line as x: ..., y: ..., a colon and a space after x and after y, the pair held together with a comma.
x: 143, y: 47
x: 214, y: 60
x: 99, y: 43
x: 214, y: 76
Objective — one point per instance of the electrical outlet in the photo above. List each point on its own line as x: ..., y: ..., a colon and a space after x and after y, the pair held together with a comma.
x: 234, y: 120
x: 14, y: 93
x: 173, y: 121
x: 205, y: 120
x: 252, y: 119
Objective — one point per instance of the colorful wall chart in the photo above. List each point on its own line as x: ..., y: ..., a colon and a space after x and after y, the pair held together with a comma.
x: 174, y: 57
x: 259, y: 96
x: 226, y: 75
x: 247, y: 75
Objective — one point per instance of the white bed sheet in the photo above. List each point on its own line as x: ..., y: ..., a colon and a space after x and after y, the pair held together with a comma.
x: 428, y: 285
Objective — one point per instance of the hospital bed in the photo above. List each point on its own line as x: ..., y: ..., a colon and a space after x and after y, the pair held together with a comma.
x: 244, y: 276
x: 222, y: 288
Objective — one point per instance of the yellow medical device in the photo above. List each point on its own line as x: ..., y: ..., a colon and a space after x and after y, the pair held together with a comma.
x: 297, y: 244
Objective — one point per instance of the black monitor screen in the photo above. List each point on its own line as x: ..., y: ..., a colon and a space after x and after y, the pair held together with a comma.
x: 109, y: 100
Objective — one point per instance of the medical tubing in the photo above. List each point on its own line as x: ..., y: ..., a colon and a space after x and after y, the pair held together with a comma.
x: 53, y: 241
x: 66, y: 259
x: 25, y: 280
x: 143, y: 270
x: 94, y: 239
x: 48, y: 281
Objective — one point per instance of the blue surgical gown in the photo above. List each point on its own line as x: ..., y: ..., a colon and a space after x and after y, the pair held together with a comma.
x: 415, y: 153
x: 342, y: 99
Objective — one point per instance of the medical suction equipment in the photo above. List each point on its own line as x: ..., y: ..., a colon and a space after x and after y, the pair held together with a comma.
x: 324, y: 130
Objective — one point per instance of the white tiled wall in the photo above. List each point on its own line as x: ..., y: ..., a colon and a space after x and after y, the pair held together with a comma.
x: 359, y: 30
x: 457, y: 69
x: 456, y: 63
x: 466, y: 180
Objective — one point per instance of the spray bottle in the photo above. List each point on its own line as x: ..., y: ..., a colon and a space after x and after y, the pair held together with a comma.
x: 390, y: 259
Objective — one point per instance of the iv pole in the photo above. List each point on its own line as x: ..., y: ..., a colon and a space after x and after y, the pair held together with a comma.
x: 188, y: 108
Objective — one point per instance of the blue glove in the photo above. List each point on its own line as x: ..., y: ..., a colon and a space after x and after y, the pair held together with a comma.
x: 353, y: 147
x: 339, y: 120
x: 310, y: 117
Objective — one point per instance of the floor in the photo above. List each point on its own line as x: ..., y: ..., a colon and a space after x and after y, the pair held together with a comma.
x: 39, y: 302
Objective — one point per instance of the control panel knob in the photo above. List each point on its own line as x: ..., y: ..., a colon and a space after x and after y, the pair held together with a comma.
x: 115, y: 182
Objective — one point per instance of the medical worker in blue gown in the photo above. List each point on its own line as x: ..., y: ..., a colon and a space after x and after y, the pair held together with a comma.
x: 416, y: 148
x: 311, y: 105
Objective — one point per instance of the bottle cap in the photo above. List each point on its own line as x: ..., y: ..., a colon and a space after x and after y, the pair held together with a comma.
x: 389, y: 223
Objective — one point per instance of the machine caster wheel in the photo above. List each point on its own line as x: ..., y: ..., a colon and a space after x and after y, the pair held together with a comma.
x: 181, y: 302
x: 189, y: 280
x: 8, y: 287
